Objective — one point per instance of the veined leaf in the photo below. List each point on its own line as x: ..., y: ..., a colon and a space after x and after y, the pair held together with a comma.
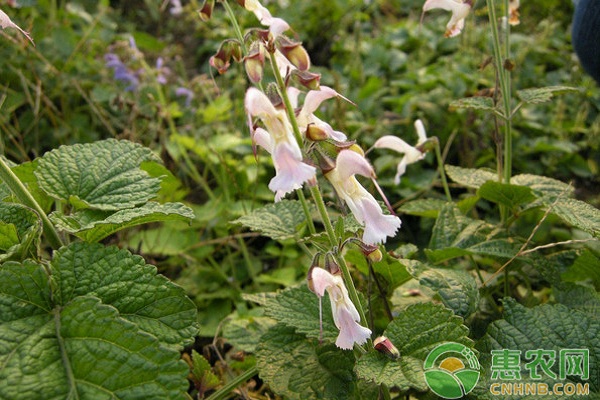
x: 103, y: 175
x: 302, y: 369
x: 469, y: 177
x: 585, y: 268
x: 541, y: 95
x: 548, y: 327
x: 423, y: 207
x: 543, y: 186
x: 95, y: 225
x: 509, y: 195
x: 127, y: 283
x: 278, y: 221
x: 20, y: 232
x: 457, y: 289
x: 78, y: 348
x: 577, y: 213
x: 476, y: 103
x: 415, y: 332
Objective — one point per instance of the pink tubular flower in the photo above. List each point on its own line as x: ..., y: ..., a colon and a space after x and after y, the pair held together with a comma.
x: 364, y: 207
x: 411, y: 154
x: 278, y: 139
x: 312, y: 101
x: 460, y: 10
x: 345, y: 314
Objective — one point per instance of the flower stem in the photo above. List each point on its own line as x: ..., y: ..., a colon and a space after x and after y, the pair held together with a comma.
x: 21, y: 192
x: 236, y: 26
x: 230, y: 386
x: 440, y: 160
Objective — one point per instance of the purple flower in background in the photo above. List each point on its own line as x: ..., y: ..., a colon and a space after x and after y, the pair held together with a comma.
x: 121, y: 72
x: 163, y: 71
x: 176, y: 7
x: 185, y: 92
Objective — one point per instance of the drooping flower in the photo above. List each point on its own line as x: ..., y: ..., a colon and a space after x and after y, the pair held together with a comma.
x: 364, y: 207
x: 307, y: 118
x: 460, y: 10
x: 276, y: 25
x: 411, y: 154
x: 513, y: 11
x: 278, y: 139
x: 5, y: 22
x: 345, y: 314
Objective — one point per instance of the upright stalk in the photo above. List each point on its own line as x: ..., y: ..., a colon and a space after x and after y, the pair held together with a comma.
x: 504, y: 81
x: 21, y: 192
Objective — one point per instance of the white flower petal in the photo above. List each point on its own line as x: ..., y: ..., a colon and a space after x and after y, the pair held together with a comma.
x: 350, y: 330
x: 349, y: 163
x: 5, y: 22
x: 290, y: 171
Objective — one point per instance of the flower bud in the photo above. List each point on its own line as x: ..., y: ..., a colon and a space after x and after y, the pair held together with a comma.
x: 206, y: 11
x: 375, y: 256
x: 315, y: 133
x: 384, y: 345
x: 307, y: 79
x: 254, y: 62
x: 331, y: 265
x: 357, y: 149
x: 294, y: 52
x: 227, y: 49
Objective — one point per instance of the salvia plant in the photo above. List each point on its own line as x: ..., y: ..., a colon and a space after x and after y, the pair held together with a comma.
x: 82, y: 317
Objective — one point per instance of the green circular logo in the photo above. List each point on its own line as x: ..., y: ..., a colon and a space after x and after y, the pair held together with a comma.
x: 451, y: 370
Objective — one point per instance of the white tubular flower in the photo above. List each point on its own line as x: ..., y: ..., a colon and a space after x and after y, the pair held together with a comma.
x: 306, y: 117
x: 411, y: 154
x: 278, y: 139
x: 345, y: 314
x: 276, y: 25
x: 513, y: 11
x: 364, y: 207
x: 460, y: 10
x: 5, y: 22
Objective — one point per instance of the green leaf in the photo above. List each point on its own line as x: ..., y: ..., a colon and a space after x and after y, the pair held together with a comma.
x: 457, y: 289
x: 578, y: 214
x: 202, y: 372
x: 95, y: 225
x: 127, y: 283
x: 543, y: 186
x: 477, y: 103
x: 541, y: 95
x: 298, y: 307
x: 20, y: 232
x: 429, y: 208
x: 469, y: 177
x: 448, y: 225
x: 548, y: 327
x: 584, y: 299
x: 415, y: 332
x: 586, y: 268
x: 245, y: 332
x: 509, y: 195
x: 103, y: 175
x: 389, y: 268
x: 302, y: 369
x: 81, y: 349
x: 278, y: 221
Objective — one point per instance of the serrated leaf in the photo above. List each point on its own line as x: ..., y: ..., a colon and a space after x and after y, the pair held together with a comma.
x: 469, y: 177
x: 202, y: 372
x: 542, y: 185
x: 127, y: 283
x: 21, y: 232
x: 548, y: 327
x: 429, y: 208
x: 244, y: 332
x: 541, y: 95
x: 506, y: 194
x: 448, y: 225
x: 298, y: 307
x: 95, y: 225
x: 578, y: 214
x: 104, y: 175
x: 582, y: 298
x: 76, y: 350
x: 477, y: 103
x: 278, y: 221
x: 389, y: 268
x: 415, y: 332
x: 457, y: 289
x: 302, y: 369
x: 586, y: 268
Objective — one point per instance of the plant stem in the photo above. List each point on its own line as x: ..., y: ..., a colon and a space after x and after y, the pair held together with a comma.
x: 21, y: 192
x: 231, y: 385
x: 505, y: 89
x: 236, y: 26
x: 316, y: 193
x: 440, y: 160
